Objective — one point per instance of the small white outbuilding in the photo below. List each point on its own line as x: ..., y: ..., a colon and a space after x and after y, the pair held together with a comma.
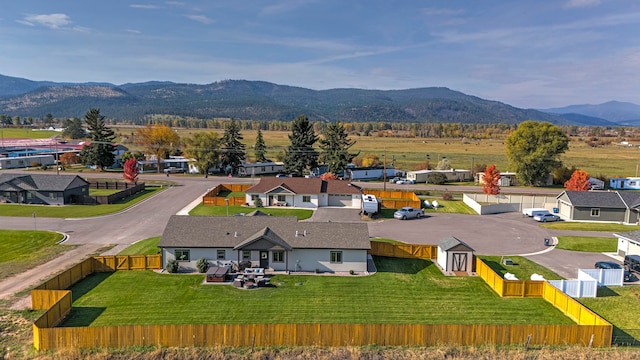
x: 455, y: 256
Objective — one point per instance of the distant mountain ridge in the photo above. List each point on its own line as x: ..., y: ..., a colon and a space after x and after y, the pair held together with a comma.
x: 614, y: 111
x: 258, y: 100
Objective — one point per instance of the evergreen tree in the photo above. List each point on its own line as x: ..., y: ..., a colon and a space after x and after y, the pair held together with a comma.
x: 73, y: 129
x: 100, y: 151
x: 234, y: 154
x: 300, y: 154
x: 260, y: 148
x: 335, y: 146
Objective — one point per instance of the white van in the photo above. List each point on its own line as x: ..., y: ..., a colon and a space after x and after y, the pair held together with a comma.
x: 531, y: 212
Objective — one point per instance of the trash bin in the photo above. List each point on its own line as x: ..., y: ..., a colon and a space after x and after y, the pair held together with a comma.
x: 547, y: 241
x: 555, y: 210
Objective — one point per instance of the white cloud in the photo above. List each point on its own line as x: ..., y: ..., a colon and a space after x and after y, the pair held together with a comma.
x: 132, y: 31
x: 143, y: 6
x: 52, y: 21
x: 581, y: 3
x: 200, y: 18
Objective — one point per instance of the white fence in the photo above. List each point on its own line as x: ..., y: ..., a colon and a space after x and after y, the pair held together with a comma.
x: 485, y: 204
x: 604, y: 277
x: 577, y: 288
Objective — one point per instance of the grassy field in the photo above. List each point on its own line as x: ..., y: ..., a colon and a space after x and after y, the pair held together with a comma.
x: 76, y: 211
x: 583, y: 226
x: 143, y: 247
x: 25, y: 133
x: 619, y: 306
x: 202, y: 210
x: 103, y: 192
x: 408, y: 153
x: 522, y: 267
x: 403, y: 291
x: 588, y: 243
x: 22, y: 250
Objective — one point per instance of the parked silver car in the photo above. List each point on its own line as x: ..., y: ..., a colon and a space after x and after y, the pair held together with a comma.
x: 546, y: 217
x: 408, y: 212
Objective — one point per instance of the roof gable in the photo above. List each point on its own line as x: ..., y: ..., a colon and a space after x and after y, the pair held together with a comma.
x: 264, y: 234
x: 602, y: 199
x: 303, y: 186
x: 452, y: 243
x: 43, y: 182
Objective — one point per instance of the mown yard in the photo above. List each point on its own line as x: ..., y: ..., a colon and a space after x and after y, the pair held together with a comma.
x: 403, y: 291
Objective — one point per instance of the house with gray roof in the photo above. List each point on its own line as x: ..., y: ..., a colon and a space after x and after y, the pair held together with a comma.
x: 269, y: 242
x: 628, y: 243
x: 604, y: 206
x: 41, y: 188
x: 304, y: 193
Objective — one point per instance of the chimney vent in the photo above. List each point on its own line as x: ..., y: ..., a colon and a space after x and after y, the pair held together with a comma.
x: 296, y: 233
x: 235, y: 234
x: 305, y: 233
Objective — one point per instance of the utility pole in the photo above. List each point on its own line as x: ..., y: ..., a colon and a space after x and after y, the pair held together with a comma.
x: 384, y: 170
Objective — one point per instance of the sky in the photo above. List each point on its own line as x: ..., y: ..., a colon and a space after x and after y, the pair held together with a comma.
x: 526, y: 53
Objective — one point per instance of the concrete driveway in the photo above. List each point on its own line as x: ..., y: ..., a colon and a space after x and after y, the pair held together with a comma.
x: 336, y: 214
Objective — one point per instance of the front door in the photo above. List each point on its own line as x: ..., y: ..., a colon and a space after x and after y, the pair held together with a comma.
x: 459, y: 262
x: 264, y: 259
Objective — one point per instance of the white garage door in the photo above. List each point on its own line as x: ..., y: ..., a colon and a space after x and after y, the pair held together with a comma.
x: 634, y: 248
x: 565, y: 210
x: 339, y: 200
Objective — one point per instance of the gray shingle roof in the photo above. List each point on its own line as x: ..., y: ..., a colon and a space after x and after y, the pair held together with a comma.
x: 631, y: 198
x: 603, y: 199
x: 229, y: 232
x: 303, y: 186
x: 633, y: 235
x: 451, y: 242
x: 43, y: 182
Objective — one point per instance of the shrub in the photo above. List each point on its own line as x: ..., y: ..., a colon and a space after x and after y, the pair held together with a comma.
x: 447, y: 195
x: 203, y: 265
x: 437, y: 178
x: 351, y: 272
x: 172, y: 266
x: 258, y: 203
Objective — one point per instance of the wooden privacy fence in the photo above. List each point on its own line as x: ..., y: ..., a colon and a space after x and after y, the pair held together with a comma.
x: 396, y: 199
x: 212, y: 199
x: 328, y: 335
x: 591, y: 330
x: 411, y: 251
x: 508, y: 288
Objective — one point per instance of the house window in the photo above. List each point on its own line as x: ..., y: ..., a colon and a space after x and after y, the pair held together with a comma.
x: 255, y: 197
x: 262, y: 168
x: 246, y: 255
x: 52, y: 195
x: 282, y: 198
x: 29, y: 196
x: 595, y: 212
x: 183, y: 255
x: 336, y: 257
x: 221, y: 255
x: 306, y: 198
x: 278, y: 256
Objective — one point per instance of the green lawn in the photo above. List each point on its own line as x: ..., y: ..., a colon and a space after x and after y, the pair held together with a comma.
x: 75, y: 211
x: 22, y: 250
x: 583, y: 226
x: 522, y: 267
x: 450, y: 206
x: 8, y: 132
x: 403, y: 291
x: 619, y: 306
x: 587, y: 243
x: 202, y: 210
x: 103, y: 192
x: 385, y: 240
x: 143, y: 247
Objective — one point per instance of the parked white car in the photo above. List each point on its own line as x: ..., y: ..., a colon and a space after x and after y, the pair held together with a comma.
x: 408, y: 212
x: 405, y: 181
x: 546, y: 217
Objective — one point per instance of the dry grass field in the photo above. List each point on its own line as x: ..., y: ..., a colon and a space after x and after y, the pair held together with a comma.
x: 410, y: 153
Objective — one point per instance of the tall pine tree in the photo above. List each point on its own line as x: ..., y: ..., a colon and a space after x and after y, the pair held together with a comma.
x: 100, y: 151
x: 300, y: 155
x: 335, y: 146
x: 260, y: 148
x: 233, y: 155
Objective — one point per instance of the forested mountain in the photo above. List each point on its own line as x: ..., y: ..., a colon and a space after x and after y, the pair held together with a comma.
x: 614, y: 111
x: 257, y: 100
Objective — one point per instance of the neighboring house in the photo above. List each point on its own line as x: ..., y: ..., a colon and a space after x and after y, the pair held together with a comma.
x: 451, y: 174
x: 628, y: 183
x: 506, y: 179
x: 269, y: 242
x: 370, y: 173
x: 14, y: 162
x: 605, y: 206
x: 596, y: 184
x: 263, y: 168
x: 304, y: 193
x: 178, y: 162
x: 41, y: 188
x: 628, y: 243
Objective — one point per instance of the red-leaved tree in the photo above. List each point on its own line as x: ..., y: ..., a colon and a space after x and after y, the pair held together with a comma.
x: 131, y: 170
x: 579, y: 181
x: 491, y: 180
x: 328, y: 176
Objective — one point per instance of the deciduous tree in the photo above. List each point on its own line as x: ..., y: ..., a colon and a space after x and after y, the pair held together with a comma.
x: 579, y: 181
x: 328, y: 176
x: 130, y: 172
x: 371, y: 160
x: 491, y: 180
x: 233, y: 149
x: 204, y: 147
x: 534, y: 150
x: 157, y: 140
x: 335, y: 146
x: 300, y: 155
x: 100, y: 150
x: 260, y: 149
x: 69, y: 158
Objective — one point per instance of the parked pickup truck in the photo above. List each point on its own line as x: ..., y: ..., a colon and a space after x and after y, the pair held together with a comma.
x: 174, y: 170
